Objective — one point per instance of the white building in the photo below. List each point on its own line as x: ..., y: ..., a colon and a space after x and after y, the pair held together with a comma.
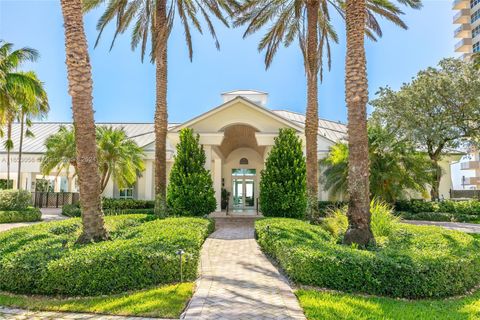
x: 468, y: 18
x: 236, y: 135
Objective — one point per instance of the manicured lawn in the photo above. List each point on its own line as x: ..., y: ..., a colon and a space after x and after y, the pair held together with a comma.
x: 320, y: 305
x: 165, y: 302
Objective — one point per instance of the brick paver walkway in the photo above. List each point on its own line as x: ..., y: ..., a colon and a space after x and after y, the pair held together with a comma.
x: 458, y: 226
x: 18, y: 314
x: 237, y: 281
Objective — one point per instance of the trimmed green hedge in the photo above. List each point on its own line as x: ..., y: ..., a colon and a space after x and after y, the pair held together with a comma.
x: 44, y: 259
x: 15, y: 199
x: 413, y: 262
x: 114, y: 207
x: 72, y: 210
x: 26, y: 215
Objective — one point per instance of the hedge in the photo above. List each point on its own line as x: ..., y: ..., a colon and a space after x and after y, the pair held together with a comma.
x: 414, y: 262
x: 71, y: 210
x: 44, y: 259
x: 15, y: 199
x: 26, y: 215
x: 112, y: 206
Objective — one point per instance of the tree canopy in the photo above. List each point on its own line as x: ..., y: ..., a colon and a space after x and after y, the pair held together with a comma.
x: 439, y: 109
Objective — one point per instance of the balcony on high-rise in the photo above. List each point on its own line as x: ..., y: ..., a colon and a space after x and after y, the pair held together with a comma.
x: 469, y: 165
x: 462, y: 16
x: 464, y: 45
x: 461, y: 4
x: 463, y: 31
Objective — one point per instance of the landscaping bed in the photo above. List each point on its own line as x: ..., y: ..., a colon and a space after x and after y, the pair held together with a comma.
x: 408, y: 261
x: 44, y: 259
x: 324, y: 305
x: 26, y: 215
x: 164, y: 302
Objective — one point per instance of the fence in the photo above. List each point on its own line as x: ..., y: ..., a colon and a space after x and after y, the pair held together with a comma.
x: 472, y: 194
x: 54, y: 199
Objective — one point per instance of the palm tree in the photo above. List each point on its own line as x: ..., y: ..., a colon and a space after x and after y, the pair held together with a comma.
x: 396, y: 167
x: 309, y: 21
x: 60, y: 153
x: 119, y: 157
x: 35, y: 106
x: 356, y: 89
x: 15, y: 86
x: 80, y: 89
x: 153, y: 19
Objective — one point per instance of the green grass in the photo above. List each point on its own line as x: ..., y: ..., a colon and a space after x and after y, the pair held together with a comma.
x: 321, y: 305
x: 165, y: 302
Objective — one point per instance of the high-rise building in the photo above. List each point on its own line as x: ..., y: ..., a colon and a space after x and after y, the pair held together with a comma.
x: 468, y: 17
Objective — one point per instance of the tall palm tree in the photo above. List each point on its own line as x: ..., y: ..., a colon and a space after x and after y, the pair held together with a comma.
x: 153, y: 19
x: 80, y: 89
x: 15, y: 87
x: 356, y: 96
x: 33, y: 106
x: 309, y: 22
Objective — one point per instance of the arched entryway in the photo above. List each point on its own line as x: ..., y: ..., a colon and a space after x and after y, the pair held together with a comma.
x: 242, y: 166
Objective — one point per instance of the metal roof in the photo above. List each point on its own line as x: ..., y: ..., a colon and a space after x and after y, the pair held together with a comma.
x: 334, y: 131
x: 143, y: 133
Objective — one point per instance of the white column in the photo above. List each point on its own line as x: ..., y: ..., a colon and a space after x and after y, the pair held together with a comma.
x: 217, y: 182
x: 58, y: 181
x: 208, y: 156
x: 148, y: 175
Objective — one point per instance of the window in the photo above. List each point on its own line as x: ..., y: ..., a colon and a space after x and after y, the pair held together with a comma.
x: 476, y: 31
x: 244, y: 172
x: 476, y: 47
x: 126, y: 193
x: 476, y: 16
x: 473, y: 3
x: 244, y: 161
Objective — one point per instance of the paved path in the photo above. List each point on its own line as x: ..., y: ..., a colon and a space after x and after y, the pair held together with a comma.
x: 48, y: 214
x: 237, y: 281
x: 17, y: 314
x: 459, y: 226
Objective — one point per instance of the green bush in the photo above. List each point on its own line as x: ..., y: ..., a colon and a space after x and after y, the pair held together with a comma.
x: 121, y: 204
x: 72, y: 210
x: 15, y: 199
x: 26, y: 215
x: 427, y: 216
x: 190, y: 190
x: 283, y: 181
x: 411, y: 262
x: 44, y: 259
x: 325, y: 207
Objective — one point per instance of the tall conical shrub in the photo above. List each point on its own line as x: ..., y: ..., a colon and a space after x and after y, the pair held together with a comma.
x: 190, y: 190
x: 283, y: 184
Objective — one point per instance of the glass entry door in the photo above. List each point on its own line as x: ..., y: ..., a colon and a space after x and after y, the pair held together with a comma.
x: 243, y: 188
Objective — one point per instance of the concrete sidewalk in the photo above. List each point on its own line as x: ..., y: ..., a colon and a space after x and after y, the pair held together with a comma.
x: 48, y: 214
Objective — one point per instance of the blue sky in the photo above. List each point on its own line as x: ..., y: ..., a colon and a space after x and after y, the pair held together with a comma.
x: 124, y: 88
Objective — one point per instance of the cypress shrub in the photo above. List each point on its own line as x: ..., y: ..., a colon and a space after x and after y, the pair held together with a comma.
x: 283, y: 181
x: 190, y: 191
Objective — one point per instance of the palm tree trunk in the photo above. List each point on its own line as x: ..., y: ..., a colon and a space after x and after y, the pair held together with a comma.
x: 20, y: 147
x: 80, y: 89
x: 311, y: 121
x: 161, y: 122
x: 9, y: 148
x: 356, y: 88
